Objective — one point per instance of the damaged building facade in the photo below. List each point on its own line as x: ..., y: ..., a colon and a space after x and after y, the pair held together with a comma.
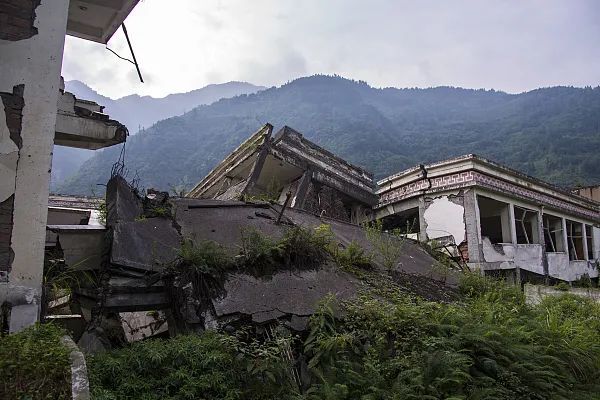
x: 287, y: 164
x: 495, y: 218
x: 35, y: 114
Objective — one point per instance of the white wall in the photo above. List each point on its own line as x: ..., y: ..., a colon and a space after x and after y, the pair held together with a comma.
x: 36, y: 64
x: 509, y: 256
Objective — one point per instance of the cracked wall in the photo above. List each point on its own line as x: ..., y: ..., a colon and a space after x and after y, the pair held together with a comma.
x: 17, y: 19
x: 29, y: 88
x: 10, y: 144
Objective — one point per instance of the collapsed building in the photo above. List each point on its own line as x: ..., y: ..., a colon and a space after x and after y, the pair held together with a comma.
x: 37, y: 113
x: 136, y: 293
x: 288, y: 165
x: 495, y: 218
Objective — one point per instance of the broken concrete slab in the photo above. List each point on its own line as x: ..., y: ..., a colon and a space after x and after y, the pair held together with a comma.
x: 146, y: 245
x: 140, y: 325
x: 122, y: 202
x: 82, y: 245
x: 286, y: 294
x: 93, y: 341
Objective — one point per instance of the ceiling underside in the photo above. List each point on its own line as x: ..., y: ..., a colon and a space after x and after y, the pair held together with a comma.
x: 97, y: 20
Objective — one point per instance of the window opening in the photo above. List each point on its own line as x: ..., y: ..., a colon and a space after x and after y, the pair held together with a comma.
x: 553, y: 234
x: 575, y: 240
x: 405, y: 221
x: 494, y: 220
x: 526, y: 224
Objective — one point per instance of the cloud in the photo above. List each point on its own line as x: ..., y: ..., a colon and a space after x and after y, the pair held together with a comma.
x: 507, y: 45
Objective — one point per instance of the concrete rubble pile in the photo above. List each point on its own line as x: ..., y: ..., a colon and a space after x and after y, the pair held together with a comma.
x: 135, y: 295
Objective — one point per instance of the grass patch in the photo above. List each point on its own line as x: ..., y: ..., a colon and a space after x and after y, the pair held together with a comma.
x: 34, y: 364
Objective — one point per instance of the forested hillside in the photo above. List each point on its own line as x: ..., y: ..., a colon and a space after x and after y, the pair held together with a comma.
x: 550, y: 133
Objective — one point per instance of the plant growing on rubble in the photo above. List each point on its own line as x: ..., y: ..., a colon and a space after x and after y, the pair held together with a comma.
x: 259, y: 253
x: 387, y: 244
x: 306, y: 248
x: 299, y: 247
x: 102, y: 211
x: 204, y: 265
x: 352, y: 256
x: 205, y: 258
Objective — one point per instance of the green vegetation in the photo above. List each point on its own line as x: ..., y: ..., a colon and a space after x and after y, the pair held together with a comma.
x: 102, y: 212
x: 389, y: 345
x: 34, y: 364
x: 352, y: 257
x: 387, y: 245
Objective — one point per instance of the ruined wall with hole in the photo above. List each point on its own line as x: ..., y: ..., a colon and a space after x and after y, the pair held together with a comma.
x: 32, y: 37
x: 444, y: 217
x: 17, y: 19
x: 323, y: 200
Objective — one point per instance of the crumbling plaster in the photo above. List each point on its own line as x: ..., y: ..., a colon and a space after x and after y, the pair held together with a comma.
x: 34, y: 63
x: 510, y: 256
x: 560, y: 267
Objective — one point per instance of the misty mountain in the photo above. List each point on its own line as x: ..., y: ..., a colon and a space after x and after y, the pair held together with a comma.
x: 551, y: 133
x: 137, y: 112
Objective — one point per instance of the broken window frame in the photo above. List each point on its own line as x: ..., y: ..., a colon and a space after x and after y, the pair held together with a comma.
x: 520, y: 219
x: 548, y: 234
x: 572, y: 238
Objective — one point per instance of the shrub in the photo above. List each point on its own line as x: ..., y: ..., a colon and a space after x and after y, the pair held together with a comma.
x: 353, y: 256
x: 206, y: 366
x: 205, y: 258
x: 259, y: 254
x: 304, y: 248
x: 387, y: 245
x: 490, y: 345
x: 34, y: 364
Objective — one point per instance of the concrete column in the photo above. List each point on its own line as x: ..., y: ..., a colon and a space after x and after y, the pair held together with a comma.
x: 422, y: 223
x: 585, y: 245
x: 542, y: 241
x: 472, y: 227
x: 513, y: 238
x: 511, y: 223
x: 565, y: 240
x: 31, y: 75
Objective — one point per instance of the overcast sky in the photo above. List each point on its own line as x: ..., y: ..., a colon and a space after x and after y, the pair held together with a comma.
x: 182, y: 45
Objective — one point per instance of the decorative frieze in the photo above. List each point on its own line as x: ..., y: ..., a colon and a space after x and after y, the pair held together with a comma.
x: 474, y: 178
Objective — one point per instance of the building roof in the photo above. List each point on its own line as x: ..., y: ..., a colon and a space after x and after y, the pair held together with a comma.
x: 97, y: 20
x: 472, y: 162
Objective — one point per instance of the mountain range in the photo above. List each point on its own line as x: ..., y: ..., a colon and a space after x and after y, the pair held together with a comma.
x: 137, y: 112
x: 550, y: 133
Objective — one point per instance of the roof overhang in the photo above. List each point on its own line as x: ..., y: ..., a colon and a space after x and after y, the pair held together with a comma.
x: 97, y: 20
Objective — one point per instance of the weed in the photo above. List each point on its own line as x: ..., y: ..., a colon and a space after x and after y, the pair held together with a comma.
x: 353, y: 256
x: 259, y: 254
x: 34, y: 364
x: 387, y: 245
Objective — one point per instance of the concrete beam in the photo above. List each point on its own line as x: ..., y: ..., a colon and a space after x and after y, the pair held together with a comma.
x: 81, y: 124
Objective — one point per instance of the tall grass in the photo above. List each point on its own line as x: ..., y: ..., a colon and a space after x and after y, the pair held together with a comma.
x: 489, y: 345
